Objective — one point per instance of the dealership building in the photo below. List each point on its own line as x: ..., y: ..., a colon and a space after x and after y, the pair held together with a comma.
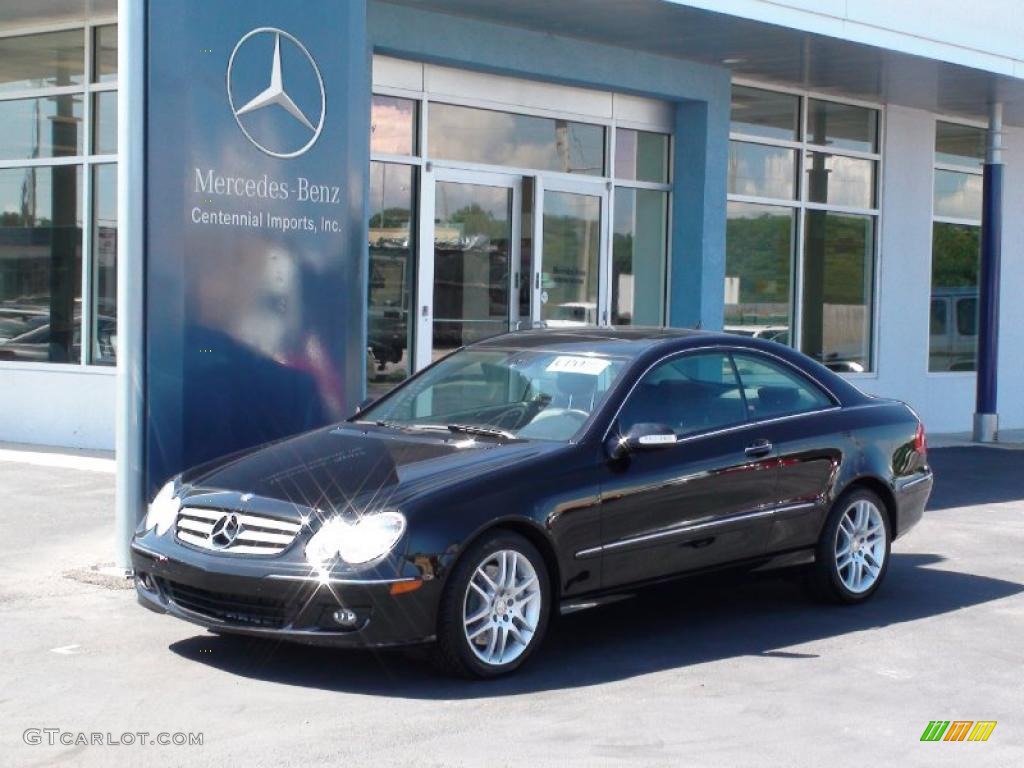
x: 445, y: 170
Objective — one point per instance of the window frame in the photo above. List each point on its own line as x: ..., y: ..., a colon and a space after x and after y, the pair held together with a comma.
x: 87, y: 159
x: 801, y: 204
x: 726, y: 353
x: 728, y: 349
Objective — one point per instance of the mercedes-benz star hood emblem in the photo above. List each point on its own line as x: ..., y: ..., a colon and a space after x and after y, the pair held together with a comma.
x: 225, y: 531
x: 276, y: 94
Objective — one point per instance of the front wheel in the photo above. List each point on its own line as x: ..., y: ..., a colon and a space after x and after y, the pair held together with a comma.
x: 495, y: 608
x: 852, y: 556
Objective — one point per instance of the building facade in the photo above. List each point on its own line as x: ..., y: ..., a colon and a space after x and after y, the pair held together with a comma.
x: 805, y: 172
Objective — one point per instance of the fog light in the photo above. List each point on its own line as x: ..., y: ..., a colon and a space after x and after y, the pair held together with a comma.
x: 346, y: 617
x: 146, y: 581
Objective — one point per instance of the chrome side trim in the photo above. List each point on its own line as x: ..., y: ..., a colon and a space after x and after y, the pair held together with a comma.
x: 916, y: 481
x: 795, y: 507
x: 747, y: 424
x: 680, y: 530
x: 317, y: 579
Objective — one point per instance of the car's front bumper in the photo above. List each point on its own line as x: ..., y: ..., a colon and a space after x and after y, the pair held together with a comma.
x: 262, y: 600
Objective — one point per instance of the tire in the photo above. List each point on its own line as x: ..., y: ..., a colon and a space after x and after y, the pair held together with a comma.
x: 834, y: 576
x: 484, y: 632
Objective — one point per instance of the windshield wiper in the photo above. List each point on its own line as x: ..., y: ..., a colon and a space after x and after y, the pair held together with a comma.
x: 472, y: 429
x: 409, y: 426
x: 467, y: 429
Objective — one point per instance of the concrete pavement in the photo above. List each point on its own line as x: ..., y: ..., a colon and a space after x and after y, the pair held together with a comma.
x: 737, y: 672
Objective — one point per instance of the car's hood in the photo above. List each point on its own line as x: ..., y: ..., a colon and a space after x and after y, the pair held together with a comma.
x: 333, y: 467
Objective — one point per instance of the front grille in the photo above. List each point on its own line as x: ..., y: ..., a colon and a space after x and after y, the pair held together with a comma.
x: 235, y: 532
x: 231, y: 609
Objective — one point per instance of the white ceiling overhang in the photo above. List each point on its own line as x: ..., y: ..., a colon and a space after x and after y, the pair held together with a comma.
x: 903, y: 69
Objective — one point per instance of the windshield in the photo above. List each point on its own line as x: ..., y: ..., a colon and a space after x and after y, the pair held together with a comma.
x: 530, y: 394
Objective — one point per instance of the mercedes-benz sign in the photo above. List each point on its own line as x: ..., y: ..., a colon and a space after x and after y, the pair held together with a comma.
x: 288, y: 130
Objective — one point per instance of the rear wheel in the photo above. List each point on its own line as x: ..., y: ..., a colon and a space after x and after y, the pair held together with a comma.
x: 852, y: 556
x: 495, y: 609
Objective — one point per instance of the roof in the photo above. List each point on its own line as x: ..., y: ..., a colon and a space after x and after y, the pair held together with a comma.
x: 625, y: 341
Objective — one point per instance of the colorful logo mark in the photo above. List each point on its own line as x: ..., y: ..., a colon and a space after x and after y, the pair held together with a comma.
x: 958, y: 730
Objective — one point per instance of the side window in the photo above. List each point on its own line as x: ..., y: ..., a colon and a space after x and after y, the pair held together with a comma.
x: 772, y: 390
x: 691, y: 393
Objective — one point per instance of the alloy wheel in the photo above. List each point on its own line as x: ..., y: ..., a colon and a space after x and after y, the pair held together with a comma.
x: 860, y: 546
x: 502, y: 607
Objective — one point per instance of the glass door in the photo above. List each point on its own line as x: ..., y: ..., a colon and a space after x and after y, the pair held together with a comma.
x: 570, y: 281
x: 470, y: 262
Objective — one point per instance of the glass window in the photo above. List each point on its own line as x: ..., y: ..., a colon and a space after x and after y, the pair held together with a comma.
x: 43, y: 87
x: 42, y: 61
x: 40, y: 264
x: 959, y: 144
x: 49, y: 126
x: 105, y: 54
x: 393, y: 126
x: 760, y: 170
x: 758, y: 270
x: 473, y: 239
x: 958, y: 195
x: 518, y: 141
x: 391, y: 271
x: 842, y: 126
x: 641, y: 155
x: 105, y: 123
x: 835, y: 305
x: 765, y: 113
x: 838, y: 273
x: 772, y: 390
x: 104, y: 265
x: 529, y: 393
x: 692, y: 393
x: 571, y: 247
x: 638, y: 257
x: 840, y: 180
x: 956, y: 252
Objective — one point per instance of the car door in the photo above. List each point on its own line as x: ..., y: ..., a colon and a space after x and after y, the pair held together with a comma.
x: 704, y: 500
x: 803, y: 423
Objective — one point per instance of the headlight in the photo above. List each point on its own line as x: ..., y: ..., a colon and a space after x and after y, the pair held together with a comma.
x: 367, y: 539
x: 163, y: 509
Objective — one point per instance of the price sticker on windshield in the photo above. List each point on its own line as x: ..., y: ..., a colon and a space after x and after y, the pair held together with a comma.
x: 589, y: 366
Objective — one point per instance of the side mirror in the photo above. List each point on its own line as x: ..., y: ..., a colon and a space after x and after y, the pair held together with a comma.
x: 365, y: 404
x: 641, y: 437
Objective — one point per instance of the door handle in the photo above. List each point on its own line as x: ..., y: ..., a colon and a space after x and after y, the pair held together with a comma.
x: 759, y: 448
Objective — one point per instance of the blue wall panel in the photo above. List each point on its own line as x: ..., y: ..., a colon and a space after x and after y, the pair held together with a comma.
x: 257, y: 139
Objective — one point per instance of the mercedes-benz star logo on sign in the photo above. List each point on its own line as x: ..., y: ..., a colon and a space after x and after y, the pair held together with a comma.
x: 287, y: 129
x: 225, y: 531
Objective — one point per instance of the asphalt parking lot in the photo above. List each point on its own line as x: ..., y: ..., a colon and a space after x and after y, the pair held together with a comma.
x: 730, y: 672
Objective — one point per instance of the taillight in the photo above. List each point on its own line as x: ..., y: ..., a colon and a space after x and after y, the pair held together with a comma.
x: 920, y: 440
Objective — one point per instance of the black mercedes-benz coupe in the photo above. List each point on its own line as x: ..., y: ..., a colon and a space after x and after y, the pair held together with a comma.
x: 534, y: 473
